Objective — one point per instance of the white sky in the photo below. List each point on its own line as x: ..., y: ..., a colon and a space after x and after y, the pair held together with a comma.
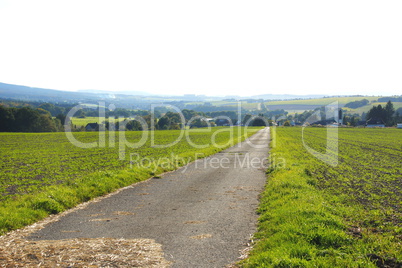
x: 204, y: 47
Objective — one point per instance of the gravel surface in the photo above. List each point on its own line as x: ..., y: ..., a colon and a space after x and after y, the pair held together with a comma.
x: 202, y: 214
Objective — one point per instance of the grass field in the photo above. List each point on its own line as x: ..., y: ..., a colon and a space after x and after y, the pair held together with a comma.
x: 315, y: 215
x: 78, y: 122
x: 44, y: 173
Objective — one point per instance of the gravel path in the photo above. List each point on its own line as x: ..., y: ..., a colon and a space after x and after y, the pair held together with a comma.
x: 202, y: 214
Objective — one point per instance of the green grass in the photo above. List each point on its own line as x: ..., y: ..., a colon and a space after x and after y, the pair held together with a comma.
x: 43, y: 173
x: 78, y: 122
x: 314, y: 215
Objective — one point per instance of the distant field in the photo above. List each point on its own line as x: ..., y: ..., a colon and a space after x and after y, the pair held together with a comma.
x: 299, y: 106
x: 315, y: 215
x: 322, y: 101
x: 78, y: 122
x: 308, y: 102
x: 369, y: 106
x: 223, y: 104
x: 292, y: 108
x: 44, y: 173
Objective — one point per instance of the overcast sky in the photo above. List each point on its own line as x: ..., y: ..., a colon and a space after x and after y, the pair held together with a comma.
x: 204, y: 47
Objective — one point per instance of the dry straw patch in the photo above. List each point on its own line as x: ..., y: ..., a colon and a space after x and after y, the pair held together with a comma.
x: 17, y: 251
x: 82, y: 252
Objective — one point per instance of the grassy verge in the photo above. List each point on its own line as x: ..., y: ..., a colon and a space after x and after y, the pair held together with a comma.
x: 19, y: 210
x: 313, y: 215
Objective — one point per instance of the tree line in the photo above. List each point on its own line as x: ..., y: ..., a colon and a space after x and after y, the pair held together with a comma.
x: 357, y: 104
x: 386, y: 115
x: 27, y: 119
x: 18, y: 116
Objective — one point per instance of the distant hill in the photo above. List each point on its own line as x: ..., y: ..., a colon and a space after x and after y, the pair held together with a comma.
x: 143, y: 100
x: 19, y: 92
x: 121, y: 99
x: 10, y: 91
x: 285, y: 96
x: 106, y: 92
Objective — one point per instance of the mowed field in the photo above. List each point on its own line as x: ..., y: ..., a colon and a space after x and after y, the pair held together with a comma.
x: 43, y: 173
x: 317, y: 215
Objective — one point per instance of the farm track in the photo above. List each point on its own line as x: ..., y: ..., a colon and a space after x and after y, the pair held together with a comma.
x: 202, y: 214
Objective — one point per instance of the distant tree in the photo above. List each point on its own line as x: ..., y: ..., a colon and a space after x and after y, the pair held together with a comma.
x: 389, y: 113
x: 354, y: 120
x: 7, y: 119
x: 376, y: 112
x: 163, y: 123
x: 301, y: 118
x: 46, y: 124
x: 254, y: 120
x: 346, y: 120
x: 246, y: 119
x: 174, y: 120
x: 80, y: 114
x: 197, y: 123
x: 232, y: 115
x: 258, y: 122
x: 59, y: 126
x: 121, y: 112
x: 394, y: 99
x: 42, y: 111
x: 174, y: 117
x: 27, y: 120
x: 148, y: 120
x: 188, y: 114
x: 134, y: 125
x: 62, y: 118
x: 286, y: 124
x: 385, y: 114
x: 357, y: 104
x: 398, y: 118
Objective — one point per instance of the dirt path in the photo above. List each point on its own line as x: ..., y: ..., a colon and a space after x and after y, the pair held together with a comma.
x: 202, y: 214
